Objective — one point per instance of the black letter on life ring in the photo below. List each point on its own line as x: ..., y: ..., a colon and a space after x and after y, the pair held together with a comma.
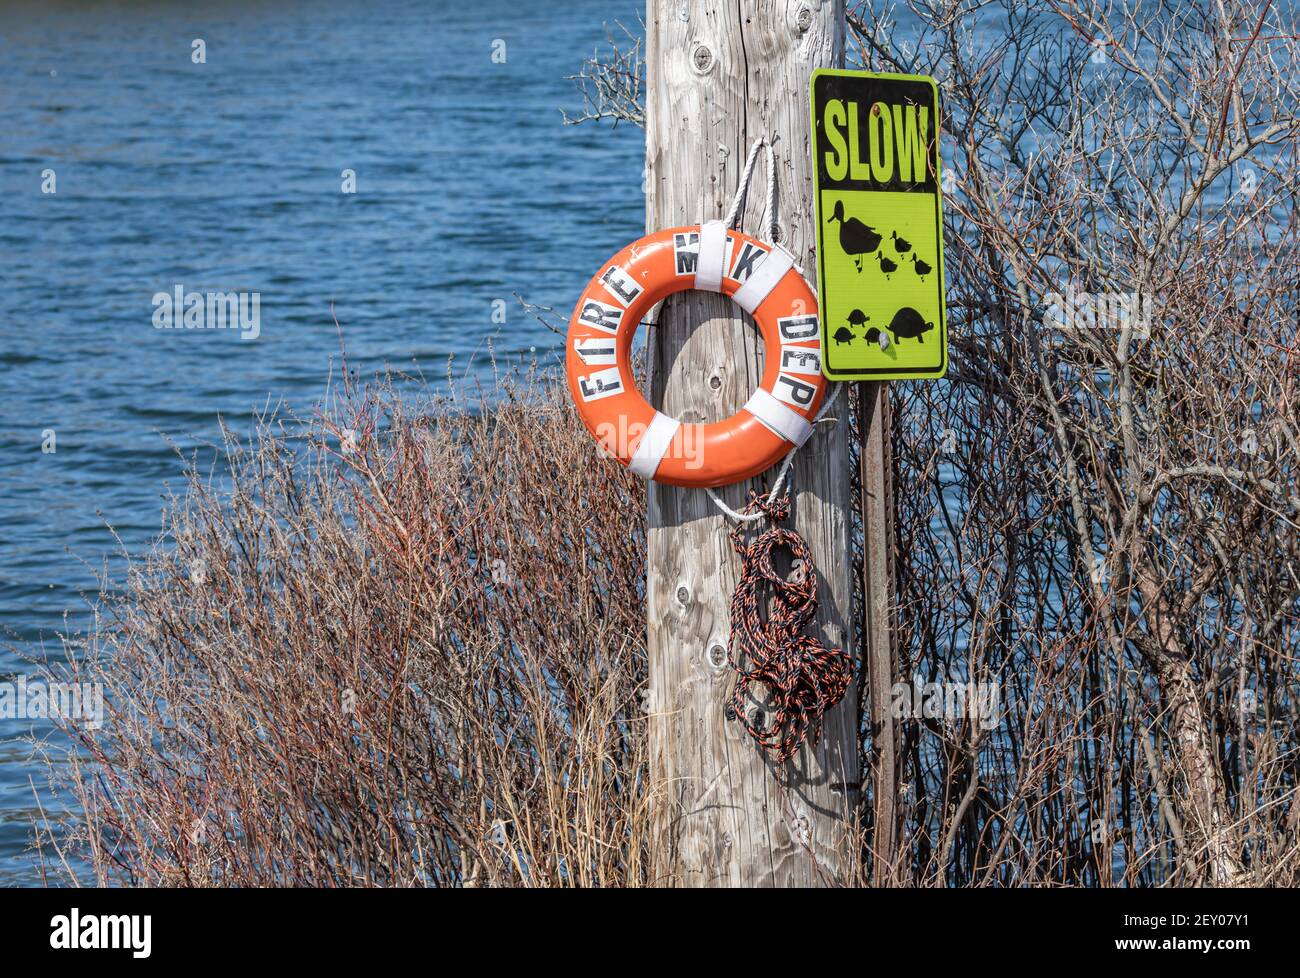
x: 686, y: 252
x: 800, y: 360
x: 601, y: 316
x: 749, y: 256
x: 621, y: 284
x: 800, y: 393
x: 797, y: 328
x: 602, y: 383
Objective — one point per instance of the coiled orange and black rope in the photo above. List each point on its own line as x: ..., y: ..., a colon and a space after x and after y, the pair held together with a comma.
x: 803, y: 677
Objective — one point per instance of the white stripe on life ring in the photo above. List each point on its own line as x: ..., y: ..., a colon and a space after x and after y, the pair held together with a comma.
x: 652, y: 447
x: 782, y: 420
x: 713, y: 256
x: 766, y: 274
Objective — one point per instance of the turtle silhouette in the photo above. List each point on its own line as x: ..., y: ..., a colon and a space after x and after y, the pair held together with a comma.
x: 877, y: 336
x: 922, y: 269
x: 858, y: 318
x: 856, y: 239
x: 909, y: 324
x: 901, y: 244
x: 886, y: 265
x: 843, y: 335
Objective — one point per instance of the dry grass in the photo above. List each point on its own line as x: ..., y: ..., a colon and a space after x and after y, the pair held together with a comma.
x: 413, y: 661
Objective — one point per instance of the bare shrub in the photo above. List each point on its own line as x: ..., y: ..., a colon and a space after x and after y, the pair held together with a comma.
x: 1098, y: 512
x: 611, y: 84
x: 406, y: 651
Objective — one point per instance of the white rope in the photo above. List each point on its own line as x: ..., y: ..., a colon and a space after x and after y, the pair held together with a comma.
x: 785, y: 468
x: 738, y: 201
x: 732, y: 217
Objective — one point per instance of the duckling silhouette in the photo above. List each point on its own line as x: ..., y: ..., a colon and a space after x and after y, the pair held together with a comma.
x: 902, y: 244
x: 886, y: 266
x: 856, y: 239
x: 922, y: 269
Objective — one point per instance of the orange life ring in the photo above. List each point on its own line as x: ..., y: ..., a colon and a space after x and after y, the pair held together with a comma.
x: 763, y: 280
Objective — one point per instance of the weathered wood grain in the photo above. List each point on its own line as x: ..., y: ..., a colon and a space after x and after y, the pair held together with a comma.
x: 720, y: 74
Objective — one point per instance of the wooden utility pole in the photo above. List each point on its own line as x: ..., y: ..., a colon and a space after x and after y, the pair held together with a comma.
x: 722, y: 73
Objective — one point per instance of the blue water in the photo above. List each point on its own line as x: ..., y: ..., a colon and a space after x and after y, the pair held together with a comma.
x: 228, y: 176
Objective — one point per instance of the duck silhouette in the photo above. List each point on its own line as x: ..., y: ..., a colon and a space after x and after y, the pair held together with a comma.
x: 856, y: 239
x: 886, y: 266
x: 922, y: 269
x: 901, y: 244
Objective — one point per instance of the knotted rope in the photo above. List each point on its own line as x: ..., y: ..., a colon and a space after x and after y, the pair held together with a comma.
x: 803, y: 677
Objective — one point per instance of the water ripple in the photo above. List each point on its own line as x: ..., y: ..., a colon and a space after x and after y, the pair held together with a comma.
x: 228, y: 176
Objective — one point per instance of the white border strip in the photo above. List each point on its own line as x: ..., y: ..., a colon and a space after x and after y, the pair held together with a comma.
x: 713, y: 256
x: 782, y: 420
x: 766, y: 275
x: 650, y: 450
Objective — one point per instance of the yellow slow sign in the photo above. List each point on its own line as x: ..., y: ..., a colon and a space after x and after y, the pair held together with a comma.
x: 879, y: 226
